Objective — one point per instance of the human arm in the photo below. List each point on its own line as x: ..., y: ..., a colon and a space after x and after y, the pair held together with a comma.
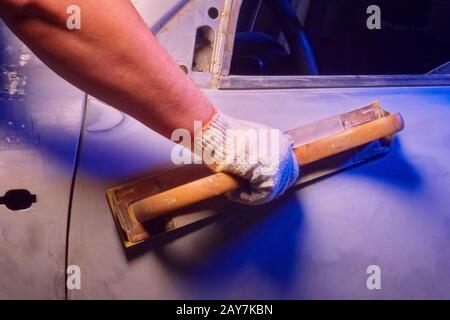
x: 115, y: 58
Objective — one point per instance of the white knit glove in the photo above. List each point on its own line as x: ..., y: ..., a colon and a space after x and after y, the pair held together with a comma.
x: 261, y: 155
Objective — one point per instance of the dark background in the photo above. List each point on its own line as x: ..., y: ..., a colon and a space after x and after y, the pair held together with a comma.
x: 414, y: 38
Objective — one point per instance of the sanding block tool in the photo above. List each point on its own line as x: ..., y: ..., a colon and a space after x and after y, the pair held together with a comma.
x: 156, y: 205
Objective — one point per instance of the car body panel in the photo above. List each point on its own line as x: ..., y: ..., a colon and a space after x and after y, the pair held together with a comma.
x: 40, y: 125
x: 316, y: 242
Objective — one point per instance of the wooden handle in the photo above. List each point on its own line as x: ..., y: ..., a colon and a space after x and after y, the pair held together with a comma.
x: 349, y: 139
x: 221, y: 183
x: 184, y: 195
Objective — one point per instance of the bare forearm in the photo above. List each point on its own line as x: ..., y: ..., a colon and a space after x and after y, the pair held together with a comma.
x: 114, y: 57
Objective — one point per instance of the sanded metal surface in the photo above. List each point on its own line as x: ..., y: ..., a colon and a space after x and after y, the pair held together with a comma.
x: 40, y: 121
x: 315, y: 242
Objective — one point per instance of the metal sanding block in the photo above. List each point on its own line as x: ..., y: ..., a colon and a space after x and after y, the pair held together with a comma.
x: 159, y: 204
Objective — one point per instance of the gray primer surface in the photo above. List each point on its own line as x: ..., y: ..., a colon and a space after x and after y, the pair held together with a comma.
x: 40, y: 121
x: 316, y: 242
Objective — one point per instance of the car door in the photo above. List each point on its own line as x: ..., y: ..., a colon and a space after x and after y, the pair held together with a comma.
x: 318, y: 241
x: 40, y: 124
x: 41, y: 119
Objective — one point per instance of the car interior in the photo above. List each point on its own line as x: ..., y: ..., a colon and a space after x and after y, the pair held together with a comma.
x: 331, y: 37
